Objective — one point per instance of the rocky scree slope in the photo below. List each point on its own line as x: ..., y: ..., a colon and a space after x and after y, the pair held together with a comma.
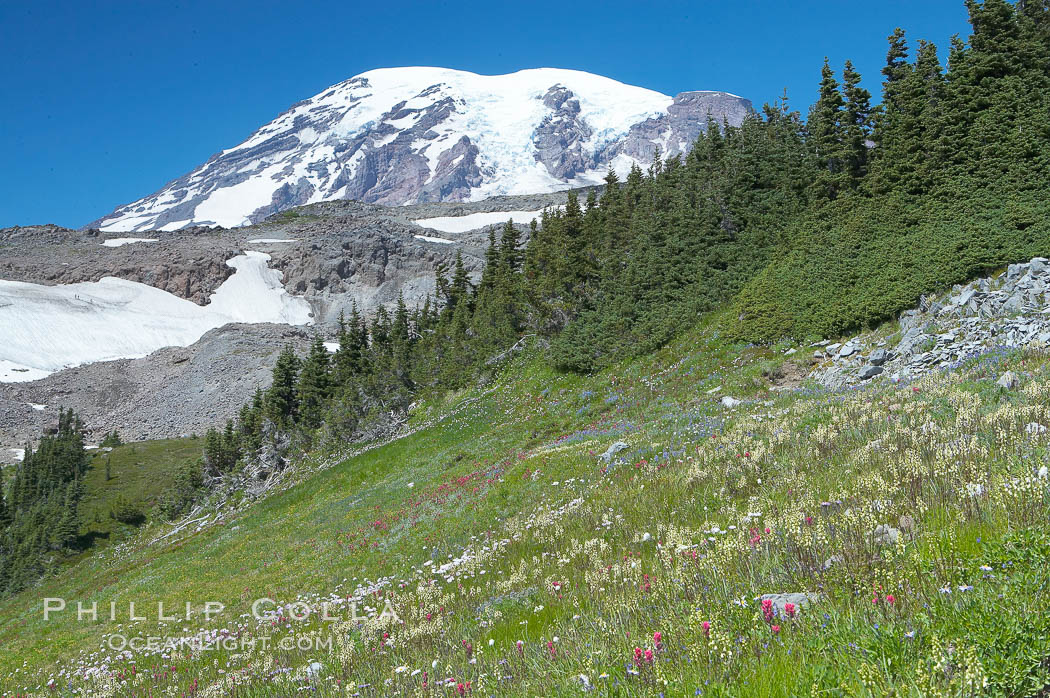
x: 1010, y: 310
x: 172, y: 392
x: 405, y: 135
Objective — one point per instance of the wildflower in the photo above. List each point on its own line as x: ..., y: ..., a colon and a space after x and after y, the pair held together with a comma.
x: 649, y: 656
x: 775, y: 629
x: 491, y: 642
x: 656, y: 638
x: 789, y: 609
x: 637, y: 654
x: 521, y: 647
x: 890, y: 599
x: 767, y: 610
x: 965, y: 587
x: 706, y: 627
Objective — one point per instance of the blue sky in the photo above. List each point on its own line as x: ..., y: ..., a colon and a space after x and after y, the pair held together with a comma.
x: 105, y: 102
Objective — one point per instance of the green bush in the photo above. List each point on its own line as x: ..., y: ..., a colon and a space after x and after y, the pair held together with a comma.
x: 126, y: 511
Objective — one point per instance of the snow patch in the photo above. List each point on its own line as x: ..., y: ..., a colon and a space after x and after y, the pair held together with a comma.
x: 473, y: 221
x: 120, y: 242
x: 427, y: 238
x: 47, y: 328
x: 332, y: 347
x: 38, y: 408
x: 265, y: 241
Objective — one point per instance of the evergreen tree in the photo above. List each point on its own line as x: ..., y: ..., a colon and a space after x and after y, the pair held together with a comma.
x: 314, y: 386
x: 856, y: 124
x: 282, y: 403
x: 5, y: 515
x: 510, y: 255
x: 826, y: 137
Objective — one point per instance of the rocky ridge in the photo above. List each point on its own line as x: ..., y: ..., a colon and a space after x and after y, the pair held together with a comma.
x: 408, y: 135
x: 1010, y: 310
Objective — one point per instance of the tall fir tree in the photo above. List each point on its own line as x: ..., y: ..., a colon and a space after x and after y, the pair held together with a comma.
x: 282, y: 400
x: 314, y: 385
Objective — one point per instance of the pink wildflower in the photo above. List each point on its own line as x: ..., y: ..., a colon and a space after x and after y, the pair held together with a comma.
x: 767, y: 610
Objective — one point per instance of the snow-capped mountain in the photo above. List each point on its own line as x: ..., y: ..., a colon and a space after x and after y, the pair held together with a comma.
x: 407, y: 135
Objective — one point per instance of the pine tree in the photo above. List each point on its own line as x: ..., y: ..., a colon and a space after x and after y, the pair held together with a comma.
x: 826, y: 137
x: 282, y: 402
x: 856, y: 119
x: 510, y: 255
x: 5, y: 515
x: 314, y: 386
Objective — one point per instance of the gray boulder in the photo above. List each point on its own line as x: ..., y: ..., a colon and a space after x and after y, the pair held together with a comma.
x: 730, y: 402
x: 611, y: 452
x: 878, y: 357
x: 1008, y: 380
x: 884, y: 534
x: 869, y: 372
x: 799, y: 599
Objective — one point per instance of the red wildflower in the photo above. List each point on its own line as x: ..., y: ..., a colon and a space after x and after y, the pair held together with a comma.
x: 767, y: 610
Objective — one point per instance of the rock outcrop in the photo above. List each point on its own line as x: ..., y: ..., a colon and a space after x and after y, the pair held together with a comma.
x: 1010, y: 310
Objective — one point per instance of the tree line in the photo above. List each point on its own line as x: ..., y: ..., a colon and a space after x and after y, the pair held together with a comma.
x: 39, y: 519
x: 782, y: 226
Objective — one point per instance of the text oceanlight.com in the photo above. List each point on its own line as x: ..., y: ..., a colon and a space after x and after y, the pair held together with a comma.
x: 156, y: 643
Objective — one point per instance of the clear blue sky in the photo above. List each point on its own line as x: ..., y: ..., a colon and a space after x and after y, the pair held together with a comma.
x: 105, y: 102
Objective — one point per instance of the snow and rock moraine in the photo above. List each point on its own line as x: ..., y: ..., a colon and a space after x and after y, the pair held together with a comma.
x: 48, y: 328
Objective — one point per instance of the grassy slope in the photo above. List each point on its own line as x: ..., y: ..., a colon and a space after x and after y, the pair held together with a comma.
x: 139, y: 472
x: 583, y: 565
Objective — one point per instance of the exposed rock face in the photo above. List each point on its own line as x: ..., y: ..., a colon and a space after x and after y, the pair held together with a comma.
x: 409, y: 135
x: 187, y: 266
x: 336, y: 254
x: 1010, y: 311
x: 675, y: 131
x: 561, y: 137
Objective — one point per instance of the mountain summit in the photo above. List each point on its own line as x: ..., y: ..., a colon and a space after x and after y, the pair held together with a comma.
x: 406, y: 135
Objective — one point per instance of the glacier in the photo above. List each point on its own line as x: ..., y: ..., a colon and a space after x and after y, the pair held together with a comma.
x: 44, y: 329
x: 414, y: 134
